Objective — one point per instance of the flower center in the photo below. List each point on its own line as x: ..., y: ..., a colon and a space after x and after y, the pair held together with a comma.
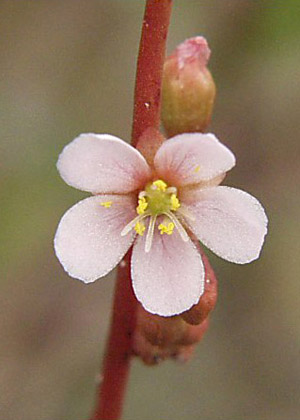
x: 157, y: 199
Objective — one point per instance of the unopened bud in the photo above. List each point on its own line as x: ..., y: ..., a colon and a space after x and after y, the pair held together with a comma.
x: 158, y: 330
x: 159, y: 338
x: 188, y: 89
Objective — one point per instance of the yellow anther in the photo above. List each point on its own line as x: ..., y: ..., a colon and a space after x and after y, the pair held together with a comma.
x: 197, y: 169
x: 139, y: 228
x: 160, y: 185
x: 175, y: 204
x: 142, y: 206
x: 168, y: 229
x: 106, y: 204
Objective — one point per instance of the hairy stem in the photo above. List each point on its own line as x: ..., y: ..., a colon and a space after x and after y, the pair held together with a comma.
x: 146, y: 115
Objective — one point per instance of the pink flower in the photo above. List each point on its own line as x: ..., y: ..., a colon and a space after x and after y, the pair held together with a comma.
x: 155, y: 209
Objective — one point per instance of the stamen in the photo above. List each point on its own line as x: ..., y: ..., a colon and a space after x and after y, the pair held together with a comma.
x: 142, y: 206
x: 175, y: 204
x: 140, y: 228
x: 171, y: 190
x: 149, y: 237
x: 178, y: 225
x: 132, y: 224
x: 142, y: 194
x: 106, y: 204
x: 168, y: 229
x: 197, y: 169
x: 160, y: 185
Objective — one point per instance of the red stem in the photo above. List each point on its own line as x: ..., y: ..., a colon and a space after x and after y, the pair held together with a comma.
x: 146, y: 114
x: 117, y: 358
x: 147, y: 101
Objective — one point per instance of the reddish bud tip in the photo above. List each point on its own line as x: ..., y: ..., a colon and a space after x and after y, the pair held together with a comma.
x: 188, y: 89
x: 192, y: 50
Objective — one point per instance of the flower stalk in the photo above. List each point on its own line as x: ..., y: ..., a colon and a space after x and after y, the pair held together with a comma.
x: 146, y: 115
x: 147, y: 101
x: 118, y: 353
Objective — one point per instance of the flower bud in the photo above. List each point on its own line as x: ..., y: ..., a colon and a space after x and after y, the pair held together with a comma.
x: 158, y: 338
x: 188, y: 89
x: 158, y: 330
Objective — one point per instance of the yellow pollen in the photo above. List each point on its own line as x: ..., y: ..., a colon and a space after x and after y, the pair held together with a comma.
x: 175, y: 204
x: 106, y: 204
x: 139, y: 228
x: 161, y: 185
x: 142, y: 206
x: 197, y: 169
x: 168, y: 229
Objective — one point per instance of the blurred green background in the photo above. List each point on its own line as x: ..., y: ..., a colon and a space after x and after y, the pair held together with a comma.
x: 68, y: 67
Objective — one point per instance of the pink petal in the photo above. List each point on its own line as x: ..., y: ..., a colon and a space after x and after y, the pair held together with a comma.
x: 192, y: 158
x: 88, y: 241
x: 101, y: 163
x: 229, y: 221
x: 169, y: 279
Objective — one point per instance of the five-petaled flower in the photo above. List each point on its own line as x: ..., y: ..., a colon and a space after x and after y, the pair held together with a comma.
x: 155, y: 209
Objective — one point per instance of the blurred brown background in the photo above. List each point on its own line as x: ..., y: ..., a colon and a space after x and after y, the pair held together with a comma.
x: 68, y: 67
